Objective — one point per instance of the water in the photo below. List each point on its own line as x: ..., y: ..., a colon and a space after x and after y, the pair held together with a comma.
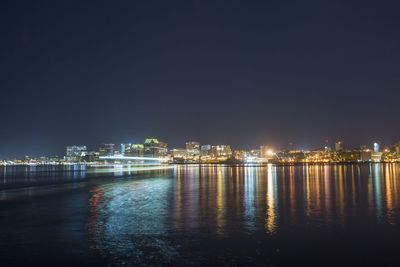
x: 263, y: 216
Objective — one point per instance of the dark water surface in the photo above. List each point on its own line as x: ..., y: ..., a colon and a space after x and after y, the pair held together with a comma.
x: 239, y: 216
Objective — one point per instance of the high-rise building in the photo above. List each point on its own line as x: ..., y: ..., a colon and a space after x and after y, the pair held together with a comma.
x: 205, y: 150
x: 125, y: 149
x: 339, y: 146
x: 155, y: 148
x: 75, y: 153
x: 107, y: 150
x: 193, y: 148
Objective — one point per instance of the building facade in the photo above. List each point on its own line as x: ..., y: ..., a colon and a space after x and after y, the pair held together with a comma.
x: 137, y: 150
x: 107, y: 150
x: 220, y: 151
x: 154, y: 148
x: 193, y: 149
x: 339, y: 146
x: 75, y: 153
x: 205, y: 150
x: 266, y: 152
x: 397, y: 147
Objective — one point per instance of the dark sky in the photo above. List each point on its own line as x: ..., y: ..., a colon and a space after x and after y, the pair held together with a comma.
x: 243, y: 73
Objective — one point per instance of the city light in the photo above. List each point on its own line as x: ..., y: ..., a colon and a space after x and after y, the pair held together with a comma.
x: 153, y: 151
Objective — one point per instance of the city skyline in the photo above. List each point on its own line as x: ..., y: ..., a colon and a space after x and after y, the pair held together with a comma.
x: 152, y: 148
x: 289, y: 146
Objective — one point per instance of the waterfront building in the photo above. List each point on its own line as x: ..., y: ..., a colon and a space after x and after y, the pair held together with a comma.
x: 155, y: 148
x: 339, y: 146
x: 397, y: 147
x: 346, y: 156
x: 205, y: 150
x: 193, y: 149
x: 255, y: 153
x: 266, y: 152
x: 220, y: 151
x: 107, y: 150
x: 376, y: 156
x: 248, y: 156
x: 136, y: 150
x: 125, y: 149
x: 75, y: 153
x: 377, y: 147
x: 240, y: 155
x: 180, y: 153
x: 365, y: 155
x: 318, y: 156
x: 92, y: 156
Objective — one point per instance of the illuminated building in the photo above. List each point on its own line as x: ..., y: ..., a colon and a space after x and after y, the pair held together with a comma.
x: 75, y: 153
x: 155, y: 148
x: 196, y: 153
x: 193, y: 149
x: 397, y: 147
x: 255, y: 153
x: 376, y: 156
x: 137, y: 150
x: 377, y: 147
x: 266, y: 152
x: 92, y: 156
x: 240, y: 154
x: 179, y: 153
x: 318, y: 156
x: 125, y: 149
x: 205, y: 150
x: 365, y: 155
x: 339, y: 146
x: 107, y: 150
x: 221, y: 151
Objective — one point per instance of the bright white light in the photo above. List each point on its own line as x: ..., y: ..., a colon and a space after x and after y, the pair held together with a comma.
x: 120, y: 157
x: 250, y: 159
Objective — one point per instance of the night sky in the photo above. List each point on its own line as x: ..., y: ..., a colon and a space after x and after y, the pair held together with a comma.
x: 243, y: 73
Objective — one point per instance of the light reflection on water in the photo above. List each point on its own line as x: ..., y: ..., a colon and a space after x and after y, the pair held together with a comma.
x: 239, y: 215
x: 143, y: 220
x: 123, y: 211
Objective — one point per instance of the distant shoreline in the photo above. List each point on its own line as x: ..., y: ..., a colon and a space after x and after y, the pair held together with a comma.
x: 91, y: 166
x: 288, y: 163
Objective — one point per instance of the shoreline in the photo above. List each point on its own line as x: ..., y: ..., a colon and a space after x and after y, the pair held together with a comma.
x: 94, y: 166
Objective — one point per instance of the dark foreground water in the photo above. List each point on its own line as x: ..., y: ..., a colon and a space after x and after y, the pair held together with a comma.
x: 191, y: 216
